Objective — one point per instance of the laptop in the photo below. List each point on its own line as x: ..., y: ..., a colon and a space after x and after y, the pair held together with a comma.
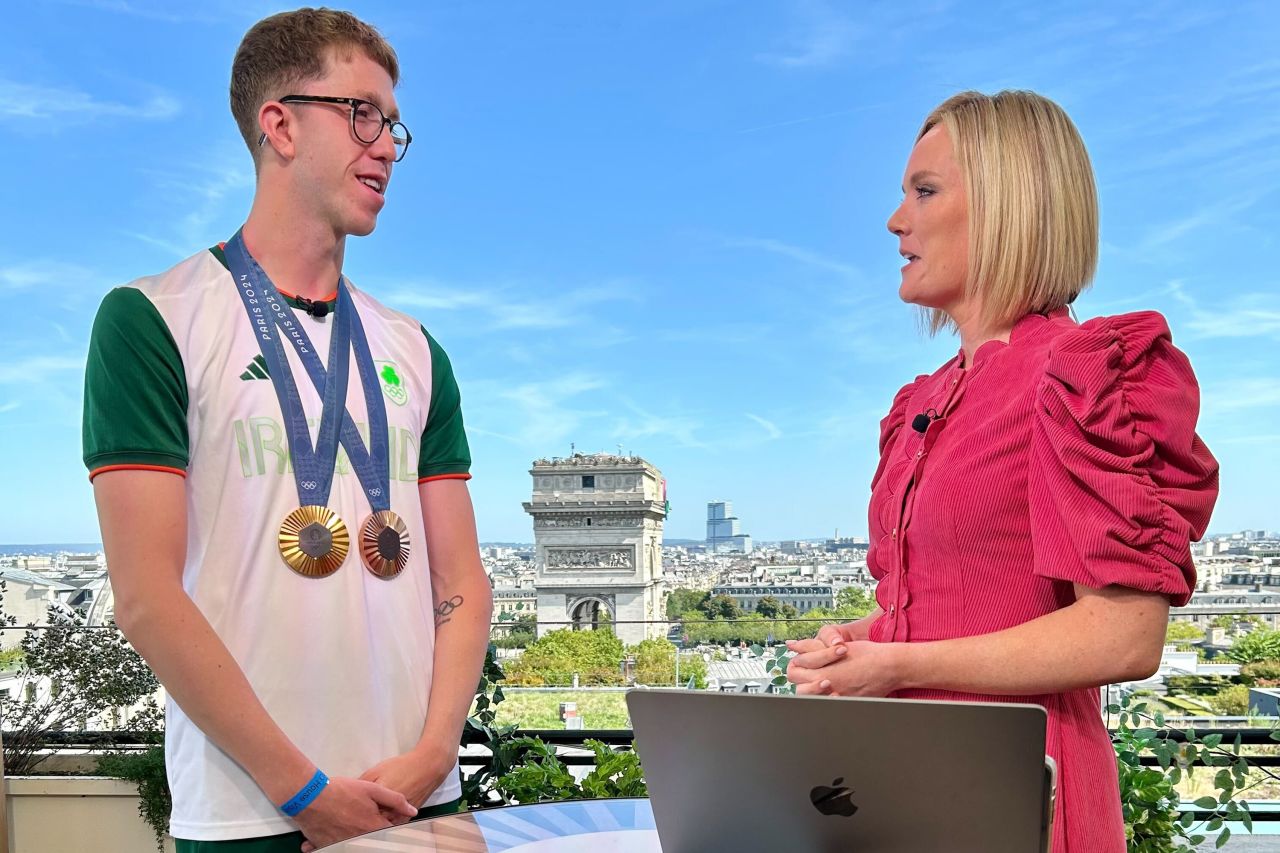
x: 743, y: 772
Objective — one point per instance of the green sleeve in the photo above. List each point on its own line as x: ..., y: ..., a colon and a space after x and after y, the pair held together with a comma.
x: 444, y: 447
x: 135, y: 389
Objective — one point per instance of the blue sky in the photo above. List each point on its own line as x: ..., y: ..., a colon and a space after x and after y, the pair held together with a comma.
x: 657, y: 225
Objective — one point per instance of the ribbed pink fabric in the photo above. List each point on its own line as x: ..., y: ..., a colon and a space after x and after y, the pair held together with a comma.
x: 1068, y: 455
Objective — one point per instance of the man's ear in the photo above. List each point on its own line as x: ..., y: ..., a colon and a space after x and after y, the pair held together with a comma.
x: 273, y: 120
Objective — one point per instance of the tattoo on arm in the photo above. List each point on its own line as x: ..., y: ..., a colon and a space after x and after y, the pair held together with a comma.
x: 444, y: 612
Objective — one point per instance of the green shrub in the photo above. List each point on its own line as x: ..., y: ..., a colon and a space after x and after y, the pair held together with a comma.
x: 1152, y: 808
x: 1203, y: 685
x: 656, y: 664
x: 541, y: 776
x: 553, y: 658
x: 1183, y: 634
x: 515, y: 640
x: 1262, y: 673
x: 526, y: 769
x: 146, y: 770
x: 1261, y: 644
x: 1231, y: 701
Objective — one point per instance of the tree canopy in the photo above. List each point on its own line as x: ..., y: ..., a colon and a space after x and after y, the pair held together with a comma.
x: 553, y: 658
x: 681, y: 601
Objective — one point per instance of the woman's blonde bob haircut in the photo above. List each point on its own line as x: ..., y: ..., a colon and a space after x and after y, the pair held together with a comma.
x: 1033, y: 204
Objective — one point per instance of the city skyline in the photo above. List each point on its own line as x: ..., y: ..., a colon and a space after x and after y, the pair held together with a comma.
x: 15, y: 548
x: 660, y: 227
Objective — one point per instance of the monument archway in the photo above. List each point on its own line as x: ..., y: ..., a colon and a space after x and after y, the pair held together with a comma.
x: 587, y: 614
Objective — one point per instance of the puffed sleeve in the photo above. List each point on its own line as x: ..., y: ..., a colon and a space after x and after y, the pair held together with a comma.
x: 892, y: 423
x: 1120, y: 484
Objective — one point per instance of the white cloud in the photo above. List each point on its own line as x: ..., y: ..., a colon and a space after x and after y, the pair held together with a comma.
x: 44, y: 273
x: 797, y: 253
x: 1237, y: 395
x: 31, y: 103
x: 768, y: 426
x: 857, y: 423
x: 535, y: 415
x: 1238, y: 320
x: 510, y: 308
x: 819, y: 38
x: 823, y: 35
x: 806, y: 119
x: 1270, y: 439
x: 170, y: 12
x: 9, y: 406
x: 1222, y: 213
x: 168, y: 246
x: 1246, y: 315
x: 37, y: 369
x: 863, y: 332
x: 722, y: 333
x: 641, y: 424
x: 196, y: 201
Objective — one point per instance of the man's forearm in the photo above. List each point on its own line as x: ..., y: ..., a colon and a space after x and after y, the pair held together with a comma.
x: 463, y: 611
x: 143, y: 519
x: 205, y: 680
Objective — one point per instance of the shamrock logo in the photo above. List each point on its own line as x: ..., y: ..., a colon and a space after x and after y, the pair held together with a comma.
x: 392, y: 385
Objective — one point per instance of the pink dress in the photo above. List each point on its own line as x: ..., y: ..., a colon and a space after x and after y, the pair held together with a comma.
x: 1067, y: 456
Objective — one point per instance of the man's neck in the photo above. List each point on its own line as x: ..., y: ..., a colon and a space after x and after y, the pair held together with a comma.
x: 302, y: 259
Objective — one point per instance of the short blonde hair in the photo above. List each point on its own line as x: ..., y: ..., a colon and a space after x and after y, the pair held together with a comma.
x: 1033, y: 203
x: 292, y: 48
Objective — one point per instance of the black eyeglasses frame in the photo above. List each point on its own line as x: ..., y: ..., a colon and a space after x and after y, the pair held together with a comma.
x: 355, y: 104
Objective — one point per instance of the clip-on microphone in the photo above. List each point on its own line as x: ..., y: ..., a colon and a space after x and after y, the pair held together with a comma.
x: 316, y: 309
x: 920, y: 423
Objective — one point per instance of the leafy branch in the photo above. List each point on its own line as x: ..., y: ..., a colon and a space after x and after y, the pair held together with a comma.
x: 1153, y: 810
x: 72, y: 677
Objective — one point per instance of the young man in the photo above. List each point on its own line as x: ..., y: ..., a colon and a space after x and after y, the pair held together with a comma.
x: 311, y: 608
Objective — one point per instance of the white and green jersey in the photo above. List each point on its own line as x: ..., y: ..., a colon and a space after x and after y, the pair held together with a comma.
x: 175, y: 381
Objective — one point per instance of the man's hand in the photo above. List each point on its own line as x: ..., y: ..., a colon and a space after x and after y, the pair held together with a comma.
x: 858, y: 668
x: 350, y: 807
x: 416, y: 774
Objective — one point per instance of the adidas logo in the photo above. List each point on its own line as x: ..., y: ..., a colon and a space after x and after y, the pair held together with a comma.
x: 257, y: 369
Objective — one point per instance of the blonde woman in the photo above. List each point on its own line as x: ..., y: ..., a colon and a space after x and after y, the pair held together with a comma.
x: 1032, y: 512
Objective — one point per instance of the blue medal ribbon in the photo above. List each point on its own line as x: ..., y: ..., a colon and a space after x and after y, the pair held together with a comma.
x: 372, y: 465
x: 313, y: 468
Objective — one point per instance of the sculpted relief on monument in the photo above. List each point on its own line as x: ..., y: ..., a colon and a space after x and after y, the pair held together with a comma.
x: 601, y: 520
x: 590, y: 558
x: 573, y: 483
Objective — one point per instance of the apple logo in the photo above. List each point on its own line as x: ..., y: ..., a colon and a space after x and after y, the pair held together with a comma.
x: 834, y: 800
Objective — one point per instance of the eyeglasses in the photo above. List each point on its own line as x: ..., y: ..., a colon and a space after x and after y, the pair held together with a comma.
x: 367, y: 121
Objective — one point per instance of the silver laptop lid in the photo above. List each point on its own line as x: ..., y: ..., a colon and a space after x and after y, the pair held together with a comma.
x: 785, y: 773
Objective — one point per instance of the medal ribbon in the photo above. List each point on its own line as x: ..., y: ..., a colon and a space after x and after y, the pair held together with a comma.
x: 372, y: 465
x: 313, y: 468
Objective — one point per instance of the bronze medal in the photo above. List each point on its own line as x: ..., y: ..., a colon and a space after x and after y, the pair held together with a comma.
x: 384, y: 544
x: 314, y: 541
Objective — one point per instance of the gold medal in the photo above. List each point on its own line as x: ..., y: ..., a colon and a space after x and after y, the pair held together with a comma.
x: 384, y: 544
x: 314, y: 541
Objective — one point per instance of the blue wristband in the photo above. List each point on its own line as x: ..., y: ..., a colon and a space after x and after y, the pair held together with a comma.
x: 307, y: 795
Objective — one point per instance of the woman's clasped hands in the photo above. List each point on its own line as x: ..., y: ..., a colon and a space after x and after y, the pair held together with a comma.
x: 842, y: 661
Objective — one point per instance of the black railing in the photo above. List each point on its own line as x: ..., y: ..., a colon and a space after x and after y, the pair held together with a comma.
x: 623, y: 738
x: 573, y: 740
